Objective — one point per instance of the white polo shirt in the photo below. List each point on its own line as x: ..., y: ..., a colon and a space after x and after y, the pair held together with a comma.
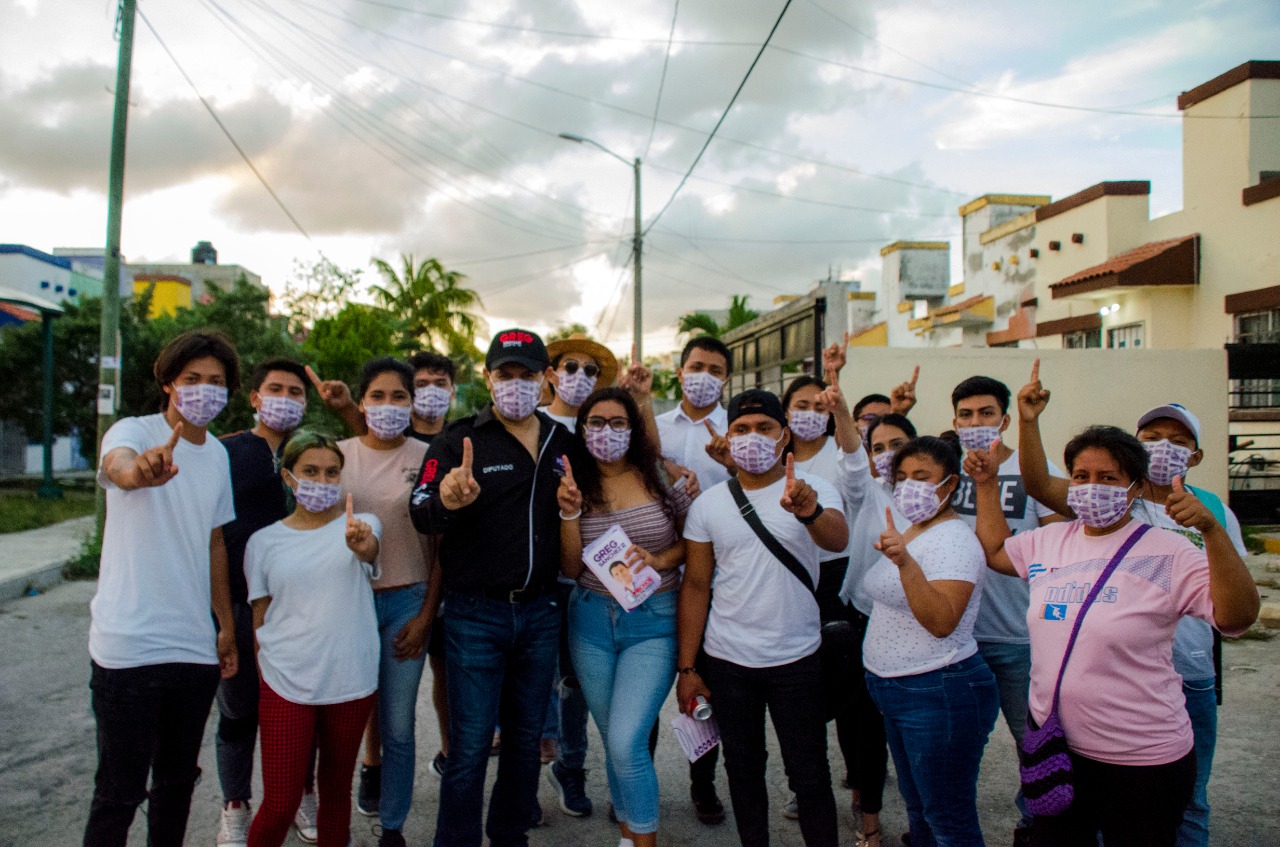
x: 684, y: 441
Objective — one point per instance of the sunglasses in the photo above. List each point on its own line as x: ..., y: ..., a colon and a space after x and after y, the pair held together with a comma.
x: 571, y: 367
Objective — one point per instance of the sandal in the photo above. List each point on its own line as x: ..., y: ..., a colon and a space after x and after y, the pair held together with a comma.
x: 864, y: 839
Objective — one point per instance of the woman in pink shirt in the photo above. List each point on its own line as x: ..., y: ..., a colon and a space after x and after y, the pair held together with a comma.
x: 1121, y: 702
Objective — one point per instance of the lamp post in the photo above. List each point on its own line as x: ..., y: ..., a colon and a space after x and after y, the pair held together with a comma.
x: 637, y: 241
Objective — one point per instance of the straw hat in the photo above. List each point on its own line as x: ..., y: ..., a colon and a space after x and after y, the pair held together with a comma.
x: 579, y: 343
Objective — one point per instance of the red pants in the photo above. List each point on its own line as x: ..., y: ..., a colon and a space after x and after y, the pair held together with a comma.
x: 288, y: 731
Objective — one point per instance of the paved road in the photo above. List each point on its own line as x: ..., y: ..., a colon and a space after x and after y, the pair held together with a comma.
x: 47, y: 754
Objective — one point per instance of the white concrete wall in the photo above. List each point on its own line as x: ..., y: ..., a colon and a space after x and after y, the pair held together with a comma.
x: 25, y: 273
x: 1089, y: 387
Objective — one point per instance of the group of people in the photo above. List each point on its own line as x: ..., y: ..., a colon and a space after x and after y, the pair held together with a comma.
x: 815, y: 561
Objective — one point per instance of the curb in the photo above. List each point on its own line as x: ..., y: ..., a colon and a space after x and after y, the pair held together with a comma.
x: 42, y: 579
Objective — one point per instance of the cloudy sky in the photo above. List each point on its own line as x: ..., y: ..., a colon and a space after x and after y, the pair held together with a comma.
x: 430, y: 127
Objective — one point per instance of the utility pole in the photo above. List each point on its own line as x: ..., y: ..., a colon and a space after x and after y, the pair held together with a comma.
x: 109, y: 342
x: 637, y: 246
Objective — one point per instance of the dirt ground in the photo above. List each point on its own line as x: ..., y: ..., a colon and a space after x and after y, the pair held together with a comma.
x: 47, y: 754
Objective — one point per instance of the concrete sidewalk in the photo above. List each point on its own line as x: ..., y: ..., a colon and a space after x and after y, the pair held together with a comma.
x: 34, y: 559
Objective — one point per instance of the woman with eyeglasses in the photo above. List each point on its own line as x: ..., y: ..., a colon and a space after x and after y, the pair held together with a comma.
x: 626, y: 661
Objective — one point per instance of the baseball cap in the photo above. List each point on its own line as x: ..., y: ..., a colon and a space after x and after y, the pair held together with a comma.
x: 1178, y: 412
x: 757, y: 401
x: 520, y: 346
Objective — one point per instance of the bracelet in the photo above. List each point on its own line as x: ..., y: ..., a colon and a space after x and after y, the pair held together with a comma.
x: 687, y: 670
x: 817, y: 513
x: 572, y: 517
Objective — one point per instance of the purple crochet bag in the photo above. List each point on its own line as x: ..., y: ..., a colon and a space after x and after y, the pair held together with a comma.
x: 1044, y: 759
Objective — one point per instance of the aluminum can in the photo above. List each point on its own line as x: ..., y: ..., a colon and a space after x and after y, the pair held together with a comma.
x: 699, y: 708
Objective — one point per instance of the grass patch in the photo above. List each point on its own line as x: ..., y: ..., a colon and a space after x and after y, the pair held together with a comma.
x: 22, y: 510
x: 84, y: 565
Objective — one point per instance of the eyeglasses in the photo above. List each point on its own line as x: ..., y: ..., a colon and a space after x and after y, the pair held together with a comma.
x: 596, y: 424
x: 868, y: 418
x: 571, y: 367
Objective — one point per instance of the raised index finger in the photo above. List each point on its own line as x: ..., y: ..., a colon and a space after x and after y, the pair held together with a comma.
x: 568, y: 470
x: 315, y: 378
x: 173, y: 439
x: 791, y: 469
x: 888, y: 519
x: 915, y: 375
x: 351, y: 515
x: 1035, y: 371
x: 466, y: 455
x: 711, y: 429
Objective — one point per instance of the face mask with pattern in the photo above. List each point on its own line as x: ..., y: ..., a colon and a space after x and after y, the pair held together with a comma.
x: 387, y: 421
x: 200, y: 404
x: 753, y: 452
x: 1099, y: 506
x: 807, y: 425
x: 917, y: 499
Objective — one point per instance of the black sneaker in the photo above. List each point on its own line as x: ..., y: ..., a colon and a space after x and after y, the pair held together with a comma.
x: 391, y: 838
x: 370, y: 791
x: 706, y: 804
x: 571, y: 785
x: 537, y: 816
x: 437, y: 765
x: 1022, y: 837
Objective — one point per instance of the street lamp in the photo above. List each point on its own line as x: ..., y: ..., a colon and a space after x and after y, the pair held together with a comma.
x: 637, y: 241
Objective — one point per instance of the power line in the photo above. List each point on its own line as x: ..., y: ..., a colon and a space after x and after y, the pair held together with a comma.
x: 723, y: 115
x: 662, y: 80
x: 213, y: 114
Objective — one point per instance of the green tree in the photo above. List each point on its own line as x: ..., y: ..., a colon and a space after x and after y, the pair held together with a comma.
x: 434, y: 310
x: 317, y: 290
x: 338, y: 347
x: 700, y: 323
x: 563, y: 331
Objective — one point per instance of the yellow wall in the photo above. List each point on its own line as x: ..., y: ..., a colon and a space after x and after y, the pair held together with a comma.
x: 1089, y: 387
x: 169, y: 295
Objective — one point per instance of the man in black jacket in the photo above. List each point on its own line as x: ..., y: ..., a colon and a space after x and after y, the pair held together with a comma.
x: 488, y: 488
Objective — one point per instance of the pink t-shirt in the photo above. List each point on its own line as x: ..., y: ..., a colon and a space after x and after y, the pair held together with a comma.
x: 1121, y: 700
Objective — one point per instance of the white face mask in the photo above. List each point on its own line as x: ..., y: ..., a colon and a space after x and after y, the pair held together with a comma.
x: 701, y: 389
x: 200, y: 404
x: 574, y: 387
x: 387, y: 422
x: 918, y: 499
x: 516, y: 399
x: 808, y: 426
x: 977, y: 437
x: 753, y: 452
x: 431, y: 402
x: 282, y: 414
x: 1166, y: 460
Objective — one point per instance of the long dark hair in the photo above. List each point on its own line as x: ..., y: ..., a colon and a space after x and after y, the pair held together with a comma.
x: 803, y: 381
x: 642, y: 454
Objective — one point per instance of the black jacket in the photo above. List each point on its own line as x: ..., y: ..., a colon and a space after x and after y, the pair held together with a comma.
x: 509, y: 538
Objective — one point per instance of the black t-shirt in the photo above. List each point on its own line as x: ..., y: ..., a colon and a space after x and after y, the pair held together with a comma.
x: 260, y: 500
x: 420, y: 436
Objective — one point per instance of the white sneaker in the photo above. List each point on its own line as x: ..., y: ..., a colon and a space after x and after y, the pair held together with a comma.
x: 305, y: 820
x: 234, y: 829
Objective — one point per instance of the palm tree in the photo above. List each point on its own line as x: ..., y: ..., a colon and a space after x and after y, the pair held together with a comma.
x: 701, y: 323
x: 435, y: 310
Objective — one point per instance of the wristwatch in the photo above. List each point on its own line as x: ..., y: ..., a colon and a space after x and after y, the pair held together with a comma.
x: 817, y: 513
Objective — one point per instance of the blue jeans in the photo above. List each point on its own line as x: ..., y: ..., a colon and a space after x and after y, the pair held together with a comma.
x: 500, y: 659
x: 397, y: 702
x: 567, y: 719
x: 937, y: 725
x: 1202, y: 706
x: 627, y: 663
x: 1011, y: 664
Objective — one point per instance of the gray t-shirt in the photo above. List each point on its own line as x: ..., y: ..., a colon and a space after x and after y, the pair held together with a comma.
x: 1002, y: 617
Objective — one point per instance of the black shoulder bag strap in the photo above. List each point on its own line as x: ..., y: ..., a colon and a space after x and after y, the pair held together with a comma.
x: 775, y: 547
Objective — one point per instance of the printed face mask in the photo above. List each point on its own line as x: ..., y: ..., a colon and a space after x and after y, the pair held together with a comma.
x: 282, y: 414
x: 200, y: 404
x: 977, y: 437
x: 516, y: 398
x: 753, y: 452
x: 608, y: 445
x: 388, y: 421
x: 574, y: 387
x: 316, y: 496
x: 809, y: 425
x: 431, y: 401
x: 1099, y: 506
x: 701, y: 388
x: 884, y: 463
x: 917, y: 499
x: 1166, y: 460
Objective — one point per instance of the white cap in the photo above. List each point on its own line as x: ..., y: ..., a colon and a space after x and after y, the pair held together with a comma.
x: 1178, y: 412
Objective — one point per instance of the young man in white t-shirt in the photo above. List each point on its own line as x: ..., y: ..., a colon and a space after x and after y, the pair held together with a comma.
x: 761, y: 629
x: 156, y: 654
x: 981, y: 407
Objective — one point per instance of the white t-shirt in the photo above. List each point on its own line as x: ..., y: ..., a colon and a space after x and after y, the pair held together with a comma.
x: 824, y: 464
x: 761, y: 615
x: 154, y: 600
x: 865, y: 499
x: 569, y: 422
x: 319, y: 642
x: 896, y: 643
x: 684, y: 441
x: 1003, y: 616
x: 1193, y: 639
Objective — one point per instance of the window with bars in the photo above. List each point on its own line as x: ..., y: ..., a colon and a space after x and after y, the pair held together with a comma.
x: 1261, y: 327
x: 1129, y: 336
x: 1082, y: 339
